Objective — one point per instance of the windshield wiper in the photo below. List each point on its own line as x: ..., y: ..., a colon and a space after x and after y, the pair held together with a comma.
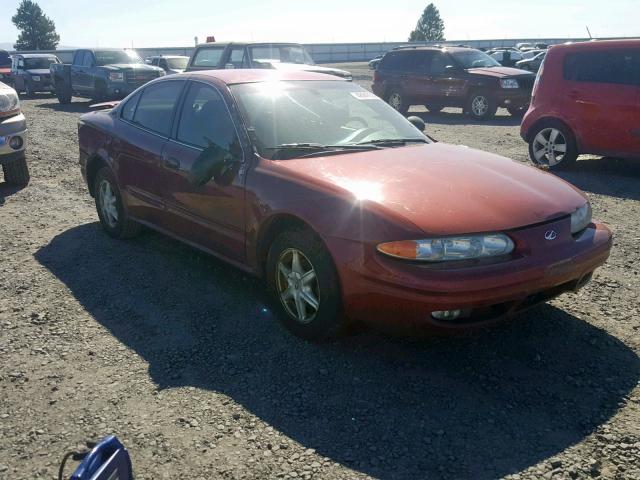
x: 315, y: 149
x: 392, y: 142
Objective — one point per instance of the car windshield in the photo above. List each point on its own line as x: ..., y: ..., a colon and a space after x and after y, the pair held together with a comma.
x: 39, y: 63
x: 314, y: 114
x: 280, y: 53
x: 178, y: 63
x: 474, y: 59
x: 111, y: 57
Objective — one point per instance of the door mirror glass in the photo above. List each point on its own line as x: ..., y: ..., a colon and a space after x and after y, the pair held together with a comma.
x: 417, y: 122
x: 217, y: 163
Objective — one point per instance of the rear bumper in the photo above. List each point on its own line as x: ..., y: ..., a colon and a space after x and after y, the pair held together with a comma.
x: 15, y: 126
x: 383, y: 290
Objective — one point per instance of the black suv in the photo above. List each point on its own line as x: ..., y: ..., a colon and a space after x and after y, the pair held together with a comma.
x: 439, y: 77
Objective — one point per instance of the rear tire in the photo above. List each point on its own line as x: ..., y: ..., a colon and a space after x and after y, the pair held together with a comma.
x: 309, y: 284
x: 481, y: 106
x: 111, y: 211
x: 17, y: 172
x: 552, y: 145
x: 397, y: 100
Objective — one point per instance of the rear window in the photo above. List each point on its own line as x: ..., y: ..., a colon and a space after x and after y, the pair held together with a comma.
x: 208, y: 57
x: 620, y: 67
x: 397, y: 61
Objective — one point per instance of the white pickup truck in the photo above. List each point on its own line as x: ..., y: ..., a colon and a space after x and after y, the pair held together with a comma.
x: 13, y: 138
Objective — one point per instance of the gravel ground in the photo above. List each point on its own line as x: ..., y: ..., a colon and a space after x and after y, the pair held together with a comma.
x: 175, y: 353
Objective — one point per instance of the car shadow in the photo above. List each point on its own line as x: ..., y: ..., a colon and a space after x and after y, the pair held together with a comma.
x: 617, y: 177
x: 6, y: 190
x: 479, y: 406
x: 81, y: 106
x: 456, y: 117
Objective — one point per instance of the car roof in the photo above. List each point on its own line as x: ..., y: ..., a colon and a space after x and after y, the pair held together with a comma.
x: 36, y: 55
x: 597, y: 45
x: 241, y: 44
x: 236, y: 76
x: 432, y: 48
x: 168, y: 56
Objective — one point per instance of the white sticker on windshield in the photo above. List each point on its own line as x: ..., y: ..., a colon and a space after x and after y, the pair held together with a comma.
x: 364, y: 95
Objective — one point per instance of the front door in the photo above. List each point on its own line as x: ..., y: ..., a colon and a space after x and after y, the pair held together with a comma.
x: 210, y: 213
x: 602, y: 87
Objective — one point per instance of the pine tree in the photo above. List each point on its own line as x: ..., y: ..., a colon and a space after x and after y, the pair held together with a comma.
x: 37, y: 31
x: 430, y: 27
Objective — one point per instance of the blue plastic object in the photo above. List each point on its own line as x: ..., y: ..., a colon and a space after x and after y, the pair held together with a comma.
x: 108, y: 460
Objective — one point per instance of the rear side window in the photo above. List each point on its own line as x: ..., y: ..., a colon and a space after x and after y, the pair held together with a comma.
x: 208, y: 57
x: 422, y: 61
x: 156, y: 105
x: 129, y: 108
x: 397, y: 61
x: 621, y: 67
x: 205, y: 118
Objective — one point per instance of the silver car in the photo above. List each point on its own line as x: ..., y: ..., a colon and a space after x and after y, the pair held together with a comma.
x: 13, y: 138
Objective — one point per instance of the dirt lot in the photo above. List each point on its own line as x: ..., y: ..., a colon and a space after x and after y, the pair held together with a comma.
x: 175, y: 352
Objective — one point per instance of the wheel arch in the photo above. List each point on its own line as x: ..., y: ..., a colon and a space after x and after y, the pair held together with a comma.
x: 94, y: 163
x: 536, y: 125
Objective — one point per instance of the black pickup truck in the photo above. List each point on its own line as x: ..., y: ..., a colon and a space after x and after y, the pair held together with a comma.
x: 101, y: 74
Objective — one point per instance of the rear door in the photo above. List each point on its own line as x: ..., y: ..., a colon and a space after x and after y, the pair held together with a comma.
x: 602, y: 90
x: 144, y: 127
x: 396, y: 68
x: 419, y: 82
x: 212, y: 214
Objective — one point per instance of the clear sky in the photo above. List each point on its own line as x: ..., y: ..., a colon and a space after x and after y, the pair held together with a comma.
x: 148, y: 23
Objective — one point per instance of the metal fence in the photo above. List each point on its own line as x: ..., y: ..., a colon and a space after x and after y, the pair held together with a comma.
x: 347, y: 52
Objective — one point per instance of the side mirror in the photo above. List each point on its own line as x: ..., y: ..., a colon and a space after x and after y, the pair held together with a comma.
x: 417, y: 122
x: 217, y: 163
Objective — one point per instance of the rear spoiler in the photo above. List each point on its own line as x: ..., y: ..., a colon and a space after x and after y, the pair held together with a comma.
x: 104, y: 105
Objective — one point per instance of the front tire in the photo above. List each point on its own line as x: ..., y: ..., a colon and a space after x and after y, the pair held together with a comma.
x: 481, y: 106
x: 17, y: 172
x: 398, y: 101
x: 304, y: 286
x: 29, y: 90
x: 552, y: 145
x: 111, y: 211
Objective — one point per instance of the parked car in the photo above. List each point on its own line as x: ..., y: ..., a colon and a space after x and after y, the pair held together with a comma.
x: 586, y: 100
x: 169, y: 63
x: 5, y: 67
x: 101, y: 74
x: 531, y: 53
x: 523, y: 47
x: 344, y: 207
x: 451, y: 77
x: 532, y: 64
x: 506, y: 58
x: 13, y: 138
x: 30, y: 73
x: 278, y: 56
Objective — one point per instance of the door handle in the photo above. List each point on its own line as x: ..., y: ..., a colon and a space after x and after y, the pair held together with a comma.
x: 171, y: 163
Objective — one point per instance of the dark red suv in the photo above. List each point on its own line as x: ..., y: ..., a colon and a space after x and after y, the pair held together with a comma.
x: 438, y: 77
x: 586, y: 100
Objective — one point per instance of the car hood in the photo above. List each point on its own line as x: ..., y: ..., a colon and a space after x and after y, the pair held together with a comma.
x: 444, y: 189
x: 498, y: 72
x: 310, y: 68
x: 38, y: 71
x: 131, y: 66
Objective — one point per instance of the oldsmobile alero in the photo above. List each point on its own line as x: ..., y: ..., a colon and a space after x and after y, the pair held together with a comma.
x: 347, y: 209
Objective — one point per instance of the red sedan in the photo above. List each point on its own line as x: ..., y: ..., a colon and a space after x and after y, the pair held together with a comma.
x: 345, y: 208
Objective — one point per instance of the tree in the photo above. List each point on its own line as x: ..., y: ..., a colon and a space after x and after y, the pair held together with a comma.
x: 430, y: 26
x: 37, y: 31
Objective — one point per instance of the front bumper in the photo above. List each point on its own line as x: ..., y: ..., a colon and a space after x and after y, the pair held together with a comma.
x: 15, y: 126
x: 513, y: 98
x: 384, y: 290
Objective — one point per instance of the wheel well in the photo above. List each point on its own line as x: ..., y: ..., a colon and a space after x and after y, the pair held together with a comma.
x: 271, y: 230
x: 541, y: 121
x: 94, y: 164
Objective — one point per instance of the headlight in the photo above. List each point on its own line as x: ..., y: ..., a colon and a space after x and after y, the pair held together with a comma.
x: 9, y: 103
x: 509, y: 83
x: 449, y: 248
x: 116, y: 76
x: 581, y: 218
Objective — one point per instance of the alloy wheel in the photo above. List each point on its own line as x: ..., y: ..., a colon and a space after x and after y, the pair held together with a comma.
x: 480, y: 105
x: 297, y: 285
x: 108, y: 203
x: 549, y: 147
x: 395, y: 100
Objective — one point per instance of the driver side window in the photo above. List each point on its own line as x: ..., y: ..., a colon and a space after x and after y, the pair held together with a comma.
x: 205, y: 119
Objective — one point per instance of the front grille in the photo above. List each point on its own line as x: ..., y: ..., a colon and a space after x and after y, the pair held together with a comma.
x: 134, y: 77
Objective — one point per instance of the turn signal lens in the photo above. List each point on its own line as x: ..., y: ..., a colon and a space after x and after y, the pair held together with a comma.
x: 449, y: 248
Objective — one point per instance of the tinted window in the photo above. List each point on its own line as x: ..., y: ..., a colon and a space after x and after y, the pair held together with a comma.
x: 438, y: 63
x: 280, y: 53
x: 162, y: 63
x: 87, y: 60
x: 397, y: 61
x: 208, y: 57
x: 78, y: 57
x: 156, y: 105
x: 238, y: 58
x: 422, y: 61
x: 620, y: 67
x: 205, y: 118
x: 129, y: 108
x: 39, y: 63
